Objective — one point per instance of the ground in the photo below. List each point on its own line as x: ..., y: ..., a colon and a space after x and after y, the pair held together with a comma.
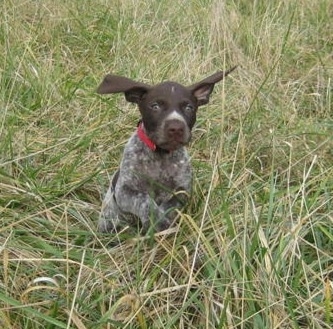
x: 254, y: 247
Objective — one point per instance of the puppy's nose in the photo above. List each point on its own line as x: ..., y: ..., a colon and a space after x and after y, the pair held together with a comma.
x: 175, y: 129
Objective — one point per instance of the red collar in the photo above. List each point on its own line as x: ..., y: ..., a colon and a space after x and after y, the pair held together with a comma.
x: 144, y: 138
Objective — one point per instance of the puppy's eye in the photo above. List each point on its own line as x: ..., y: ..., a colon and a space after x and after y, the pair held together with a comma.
x: 155, y: 107
x: 188, y: 108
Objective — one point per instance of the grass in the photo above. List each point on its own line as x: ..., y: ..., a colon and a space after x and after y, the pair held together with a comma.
x: 254, y: 247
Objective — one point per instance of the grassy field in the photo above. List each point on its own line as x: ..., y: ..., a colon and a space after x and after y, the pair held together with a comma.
x: 254, y: 249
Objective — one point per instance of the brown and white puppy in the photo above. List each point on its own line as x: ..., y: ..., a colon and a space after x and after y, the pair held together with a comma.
x: 154, y: 177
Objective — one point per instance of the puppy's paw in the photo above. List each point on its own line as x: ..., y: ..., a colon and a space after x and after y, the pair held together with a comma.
x: 105, y: 226
x: 162, y: 225
x: 158, y: 226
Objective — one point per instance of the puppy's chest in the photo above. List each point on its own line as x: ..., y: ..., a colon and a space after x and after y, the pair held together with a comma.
x: 150, y: 169
x: 168, y: 169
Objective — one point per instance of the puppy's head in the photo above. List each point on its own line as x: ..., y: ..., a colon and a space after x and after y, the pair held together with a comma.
x: 168, y: 109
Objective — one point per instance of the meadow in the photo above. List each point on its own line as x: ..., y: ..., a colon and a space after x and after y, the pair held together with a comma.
x: 252, y: 250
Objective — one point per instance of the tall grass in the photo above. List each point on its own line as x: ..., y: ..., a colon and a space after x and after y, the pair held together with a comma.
x: 254, y: 247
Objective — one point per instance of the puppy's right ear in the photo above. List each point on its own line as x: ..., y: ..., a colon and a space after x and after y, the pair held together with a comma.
x: 133, y: 90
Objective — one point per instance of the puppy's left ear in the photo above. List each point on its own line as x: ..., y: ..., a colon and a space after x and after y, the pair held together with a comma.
x: 202, y: 90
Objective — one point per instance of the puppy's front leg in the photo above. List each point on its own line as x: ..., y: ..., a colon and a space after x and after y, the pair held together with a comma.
x: 143, y: 206
x: 178, y: 200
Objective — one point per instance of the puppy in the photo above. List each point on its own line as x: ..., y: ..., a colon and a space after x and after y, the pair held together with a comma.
x: 154, y: 178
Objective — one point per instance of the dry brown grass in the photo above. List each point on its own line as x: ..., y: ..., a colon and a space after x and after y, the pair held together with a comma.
x: 253, y: 249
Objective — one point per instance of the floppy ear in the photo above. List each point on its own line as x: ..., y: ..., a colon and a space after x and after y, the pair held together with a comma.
x: 204, y: 88
x: 133, y: 90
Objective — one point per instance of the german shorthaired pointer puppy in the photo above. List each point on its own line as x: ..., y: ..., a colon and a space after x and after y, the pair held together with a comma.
x: 154, y: 178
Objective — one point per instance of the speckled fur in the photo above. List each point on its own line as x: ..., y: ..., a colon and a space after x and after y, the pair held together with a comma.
x: 151, y: 185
